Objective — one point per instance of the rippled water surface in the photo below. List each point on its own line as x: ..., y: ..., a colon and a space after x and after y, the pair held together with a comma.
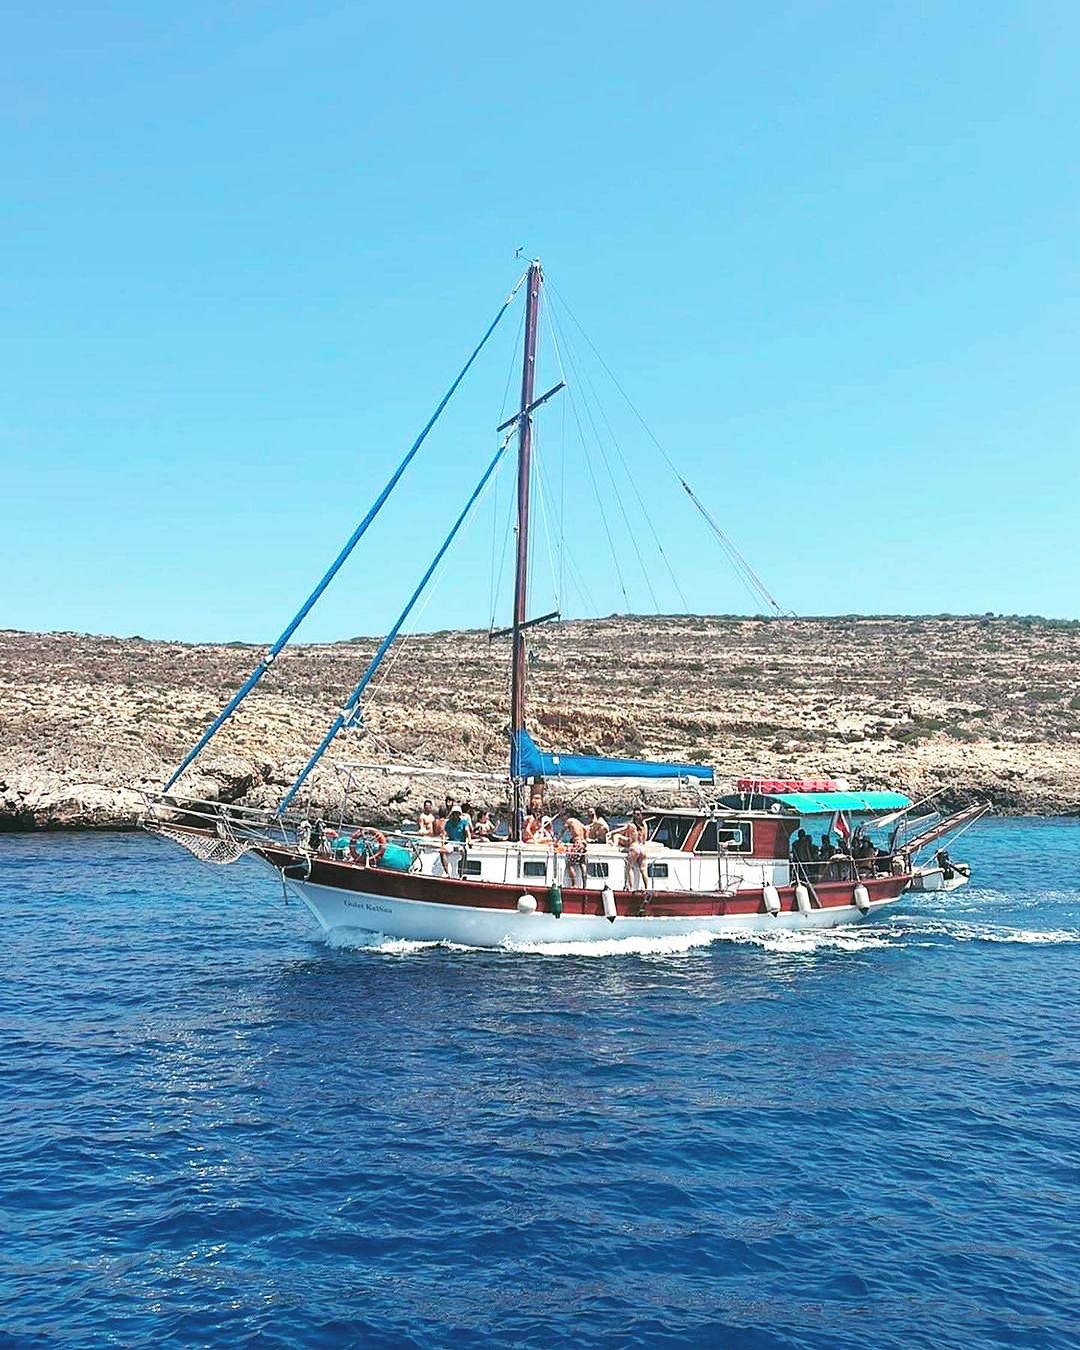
x: 215, y: 1129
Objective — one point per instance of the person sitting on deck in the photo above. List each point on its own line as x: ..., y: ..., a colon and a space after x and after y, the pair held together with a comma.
x: 826, y: 852
x: 632, y: 837
x: 597, y: 829
x: 576, y: 853
x: 318, y: 833
x: 303, y: 835
x: 457, y: 831
x: 483, y: 826
x: 841, y: 866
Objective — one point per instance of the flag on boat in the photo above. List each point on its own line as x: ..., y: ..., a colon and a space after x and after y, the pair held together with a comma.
x: 841, y: 826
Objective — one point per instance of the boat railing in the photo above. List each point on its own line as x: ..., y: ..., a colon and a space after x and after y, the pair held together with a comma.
x: 235, y: 828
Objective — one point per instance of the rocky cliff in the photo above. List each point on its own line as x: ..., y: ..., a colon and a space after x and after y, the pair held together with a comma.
x: 986, y: 706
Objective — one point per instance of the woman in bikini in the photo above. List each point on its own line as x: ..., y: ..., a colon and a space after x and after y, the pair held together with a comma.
x: 632, y: 837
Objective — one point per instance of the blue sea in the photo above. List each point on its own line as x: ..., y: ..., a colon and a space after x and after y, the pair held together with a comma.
x: 217, y: 1130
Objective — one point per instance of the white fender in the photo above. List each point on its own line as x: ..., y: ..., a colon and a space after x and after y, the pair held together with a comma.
x: 802, y: 899
x: 772, y: 899
x: 607, y: 900
x: 861, y: 896
x: 526, y: 904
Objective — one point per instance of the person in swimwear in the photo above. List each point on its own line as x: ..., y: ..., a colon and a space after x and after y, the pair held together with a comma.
x: 483, y: 825
x: 426, y: 819
x: 632, y: 837
x: 576, y: 852
x: 438, y: 825
x: 598, y: 828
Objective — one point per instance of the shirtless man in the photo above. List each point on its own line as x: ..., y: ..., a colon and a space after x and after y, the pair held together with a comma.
x: 576, y: 852
x: 426, y: 819
x: 598, y: 829
x: 632, y: 837
x: 438, y: 826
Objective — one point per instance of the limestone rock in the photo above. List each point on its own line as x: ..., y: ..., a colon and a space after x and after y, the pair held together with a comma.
x: 968, y: 707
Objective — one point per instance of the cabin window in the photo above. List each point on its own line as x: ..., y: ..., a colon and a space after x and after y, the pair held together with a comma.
x: 534, y: 869
x: 658, y: 870
x: 597, y: 869
x: 671, y: 831
x: 471, y: 867
x: 737, y: 835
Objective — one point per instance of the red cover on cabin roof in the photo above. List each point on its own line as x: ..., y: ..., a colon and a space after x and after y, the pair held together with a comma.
x: 770, y: 786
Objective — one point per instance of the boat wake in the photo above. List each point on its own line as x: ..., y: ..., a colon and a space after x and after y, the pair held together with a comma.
x: 907, y: 927
x: 895, y: 933
x: 378, y: 944
x: 906, y: 930
x: 615, y: 946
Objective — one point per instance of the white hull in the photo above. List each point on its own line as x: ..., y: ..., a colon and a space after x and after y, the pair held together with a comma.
x: 337, y: 912
x: 934, y: 879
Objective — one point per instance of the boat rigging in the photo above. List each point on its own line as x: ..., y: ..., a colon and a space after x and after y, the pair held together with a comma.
x: 725, y: 865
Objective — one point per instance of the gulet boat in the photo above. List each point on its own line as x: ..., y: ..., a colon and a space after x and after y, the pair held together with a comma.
x: 727, y: 864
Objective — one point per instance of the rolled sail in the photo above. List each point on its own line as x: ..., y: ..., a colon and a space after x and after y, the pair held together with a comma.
x: 527, y: 760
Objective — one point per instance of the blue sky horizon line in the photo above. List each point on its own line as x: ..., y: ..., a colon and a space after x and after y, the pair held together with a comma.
x: 255, y: 644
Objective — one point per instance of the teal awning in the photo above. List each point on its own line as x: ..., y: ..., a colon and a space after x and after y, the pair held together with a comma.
x: 851, y: 803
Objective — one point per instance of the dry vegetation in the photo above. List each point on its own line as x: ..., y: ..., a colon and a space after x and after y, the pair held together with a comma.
x: 982, y: 706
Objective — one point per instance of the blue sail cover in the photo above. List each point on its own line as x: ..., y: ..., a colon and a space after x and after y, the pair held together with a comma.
x: 527, y: 760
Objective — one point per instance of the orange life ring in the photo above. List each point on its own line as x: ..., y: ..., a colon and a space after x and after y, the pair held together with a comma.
x: 358, y: 854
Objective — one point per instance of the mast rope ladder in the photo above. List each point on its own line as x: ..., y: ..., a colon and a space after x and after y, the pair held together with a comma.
x: 634, y: 486
x: 612, y: 477
x: 742, y: 568
x: 592, y: 478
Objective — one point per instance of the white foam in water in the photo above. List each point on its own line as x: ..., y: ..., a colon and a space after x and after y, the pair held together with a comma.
x: 961, y: 930
x: 363, y: 940
x: 853, y: 939
x: 900, y: 930
x: 628, y: 946
x: 806, y: 941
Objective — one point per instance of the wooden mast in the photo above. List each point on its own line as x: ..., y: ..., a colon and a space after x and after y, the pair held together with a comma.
x: 528, y: 379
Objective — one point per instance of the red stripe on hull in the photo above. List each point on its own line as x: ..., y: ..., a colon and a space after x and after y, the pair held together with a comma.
x: 493, y: 895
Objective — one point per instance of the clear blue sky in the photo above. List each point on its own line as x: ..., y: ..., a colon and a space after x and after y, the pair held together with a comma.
x: 830, y: 249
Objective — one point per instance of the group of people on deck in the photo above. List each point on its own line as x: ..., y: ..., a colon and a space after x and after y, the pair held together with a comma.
x: 455, y: 828
x: 454, y: 821
x: 835, y: 862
